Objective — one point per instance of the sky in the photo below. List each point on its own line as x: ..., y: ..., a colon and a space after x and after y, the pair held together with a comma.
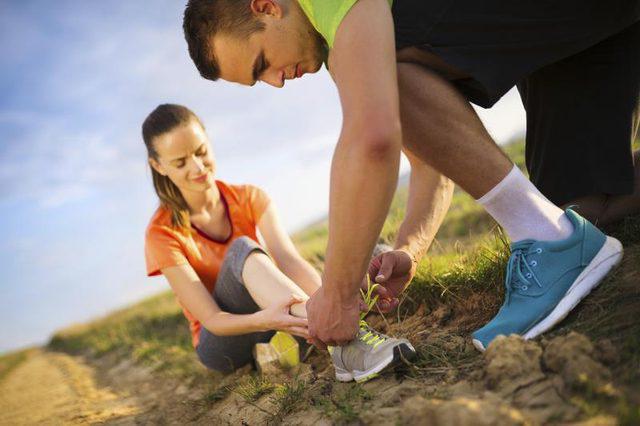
x: 77, y: 80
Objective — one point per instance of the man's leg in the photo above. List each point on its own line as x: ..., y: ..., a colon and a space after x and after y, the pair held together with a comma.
x: 581, y: 116
x: 442, y: 129
x: 547, y: 275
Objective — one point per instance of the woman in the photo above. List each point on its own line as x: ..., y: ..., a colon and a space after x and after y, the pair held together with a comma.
x: 203, y: 239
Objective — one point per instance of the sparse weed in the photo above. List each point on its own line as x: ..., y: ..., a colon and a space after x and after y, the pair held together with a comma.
x: 287, y: 397
x: 254, y: 387
x: 342, y: 406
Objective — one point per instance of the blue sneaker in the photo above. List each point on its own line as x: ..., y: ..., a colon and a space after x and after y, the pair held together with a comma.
x: 547, y: 279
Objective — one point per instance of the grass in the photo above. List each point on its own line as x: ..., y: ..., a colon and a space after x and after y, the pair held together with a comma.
x: 288, y: 397
x: 153, y: 332
x: 342, y: 406
x: 463, y: 274
x: 254, y: 387
x: 10, y: 361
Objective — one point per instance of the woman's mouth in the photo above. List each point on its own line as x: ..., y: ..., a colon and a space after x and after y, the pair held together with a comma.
x: 201, y: 179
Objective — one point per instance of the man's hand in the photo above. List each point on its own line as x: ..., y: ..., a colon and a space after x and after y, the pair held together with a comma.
x: 393, y: 270
x: 332, y: 322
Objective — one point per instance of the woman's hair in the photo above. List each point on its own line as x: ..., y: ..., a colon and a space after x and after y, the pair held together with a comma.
x: 163, y: 119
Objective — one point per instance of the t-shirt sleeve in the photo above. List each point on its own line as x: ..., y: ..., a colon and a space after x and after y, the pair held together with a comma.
x: 162, y: 249
x: 257, y: 202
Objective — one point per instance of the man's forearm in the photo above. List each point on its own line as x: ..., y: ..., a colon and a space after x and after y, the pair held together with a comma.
x: 429, y: 198
x: 363, y: 179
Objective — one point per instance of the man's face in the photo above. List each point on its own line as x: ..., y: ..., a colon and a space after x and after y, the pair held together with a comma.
x: 287, y: 48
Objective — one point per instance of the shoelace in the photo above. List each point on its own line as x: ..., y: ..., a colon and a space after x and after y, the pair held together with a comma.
x: 519, y: 273
x: 371, y: 337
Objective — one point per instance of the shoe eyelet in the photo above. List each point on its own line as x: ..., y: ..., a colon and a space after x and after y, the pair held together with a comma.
x: 528, y: 276
x: 538, y: 250
x: 534, y: 263
x: 524, y: 288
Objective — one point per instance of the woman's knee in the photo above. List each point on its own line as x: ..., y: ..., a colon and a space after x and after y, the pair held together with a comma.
x: 237, y: 255
x: 219, y: 364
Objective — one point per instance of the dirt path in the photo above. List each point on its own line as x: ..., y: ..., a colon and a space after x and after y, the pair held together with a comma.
x: 56, y: 388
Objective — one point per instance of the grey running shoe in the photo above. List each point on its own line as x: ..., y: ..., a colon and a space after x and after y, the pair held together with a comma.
x: 368, y: 354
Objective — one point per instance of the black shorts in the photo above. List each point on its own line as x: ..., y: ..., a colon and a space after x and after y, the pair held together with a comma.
x: 576, y: 64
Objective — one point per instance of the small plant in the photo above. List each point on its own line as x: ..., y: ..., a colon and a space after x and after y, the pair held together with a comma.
x: 254, y: 387
x: 343, y: 406
x: 366, y: 296
x: 216, y: 395
x: 287, y: 396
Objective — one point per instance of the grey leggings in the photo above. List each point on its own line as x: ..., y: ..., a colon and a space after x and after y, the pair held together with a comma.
x: 227, y: 353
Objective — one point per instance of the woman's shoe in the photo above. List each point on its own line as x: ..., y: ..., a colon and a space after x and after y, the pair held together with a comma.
x: 369, y: 354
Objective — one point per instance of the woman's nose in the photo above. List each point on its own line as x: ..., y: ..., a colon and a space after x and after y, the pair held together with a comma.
x: 198, y: 165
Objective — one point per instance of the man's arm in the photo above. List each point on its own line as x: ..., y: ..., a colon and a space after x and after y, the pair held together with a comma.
x: 429, y: 199
x: 365, y: 164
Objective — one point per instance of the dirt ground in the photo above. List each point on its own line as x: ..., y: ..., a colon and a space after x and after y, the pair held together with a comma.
x: 515, y: 382
x: 563, y: 378
x: 53, y: 388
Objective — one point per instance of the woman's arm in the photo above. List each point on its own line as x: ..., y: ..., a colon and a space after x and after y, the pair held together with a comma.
x: 285, y: 254
x: 194, y: 296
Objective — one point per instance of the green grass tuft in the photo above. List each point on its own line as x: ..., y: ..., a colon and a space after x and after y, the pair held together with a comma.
x: 254, y: 387
x: 288, y: 397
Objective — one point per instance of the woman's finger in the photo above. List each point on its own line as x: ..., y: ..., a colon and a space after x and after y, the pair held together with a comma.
x: 297, y: 322
x: 299, y: 331
x: 293, y: 300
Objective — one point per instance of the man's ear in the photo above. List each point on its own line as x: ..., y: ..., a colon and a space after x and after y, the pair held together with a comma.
x: 157, y: 167
x: 266, y: 7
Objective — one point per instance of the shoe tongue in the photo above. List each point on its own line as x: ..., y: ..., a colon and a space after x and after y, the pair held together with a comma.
x: 364, y: 329
x: 522, y: 245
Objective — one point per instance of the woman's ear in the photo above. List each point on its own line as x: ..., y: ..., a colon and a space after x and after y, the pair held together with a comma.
x: 157, y: 166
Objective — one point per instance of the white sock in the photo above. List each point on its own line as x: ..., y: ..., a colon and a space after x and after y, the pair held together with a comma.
x: 517, y: 205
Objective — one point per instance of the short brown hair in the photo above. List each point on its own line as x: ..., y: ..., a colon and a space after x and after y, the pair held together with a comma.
x: 205, y: 18
x: 163, y: 119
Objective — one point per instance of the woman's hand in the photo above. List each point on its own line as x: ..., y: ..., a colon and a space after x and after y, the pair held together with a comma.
x: 277, y: 317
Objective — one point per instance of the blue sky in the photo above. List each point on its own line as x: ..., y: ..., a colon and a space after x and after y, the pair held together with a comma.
x: 77, y: 79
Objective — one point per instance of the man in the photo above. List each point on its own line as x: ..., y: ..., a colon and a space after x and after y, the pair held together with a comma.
x: 403, y: 70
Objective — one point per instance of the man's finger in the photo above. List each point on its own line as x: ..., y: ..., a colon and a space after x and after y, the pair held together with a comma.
x: 388, y: 305
x: 383, y: 292
x: 318, y: 343
x: 385, y: 269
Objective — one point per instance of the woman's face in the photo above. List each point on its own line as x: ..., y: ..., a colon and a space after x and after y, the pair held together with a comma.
x: 185, y: 157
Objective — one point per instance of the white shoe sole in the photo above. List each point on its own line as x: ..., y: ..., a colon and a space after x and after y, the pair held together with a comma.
x: 609, y: 256
x: 402, y: 351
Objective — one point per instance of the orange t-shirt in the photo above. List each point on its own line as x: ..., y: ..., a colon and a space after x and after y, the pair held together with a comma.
x: 167, y: 246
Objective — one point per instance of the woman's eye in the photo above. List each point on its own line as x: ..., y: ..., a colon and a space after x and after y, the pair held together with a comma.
x: 180, y: 164
x: 202, y: 153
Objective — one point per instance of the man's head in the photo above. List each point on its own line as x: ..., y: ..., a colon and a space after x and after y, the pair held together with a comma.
x: 245, y: 41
